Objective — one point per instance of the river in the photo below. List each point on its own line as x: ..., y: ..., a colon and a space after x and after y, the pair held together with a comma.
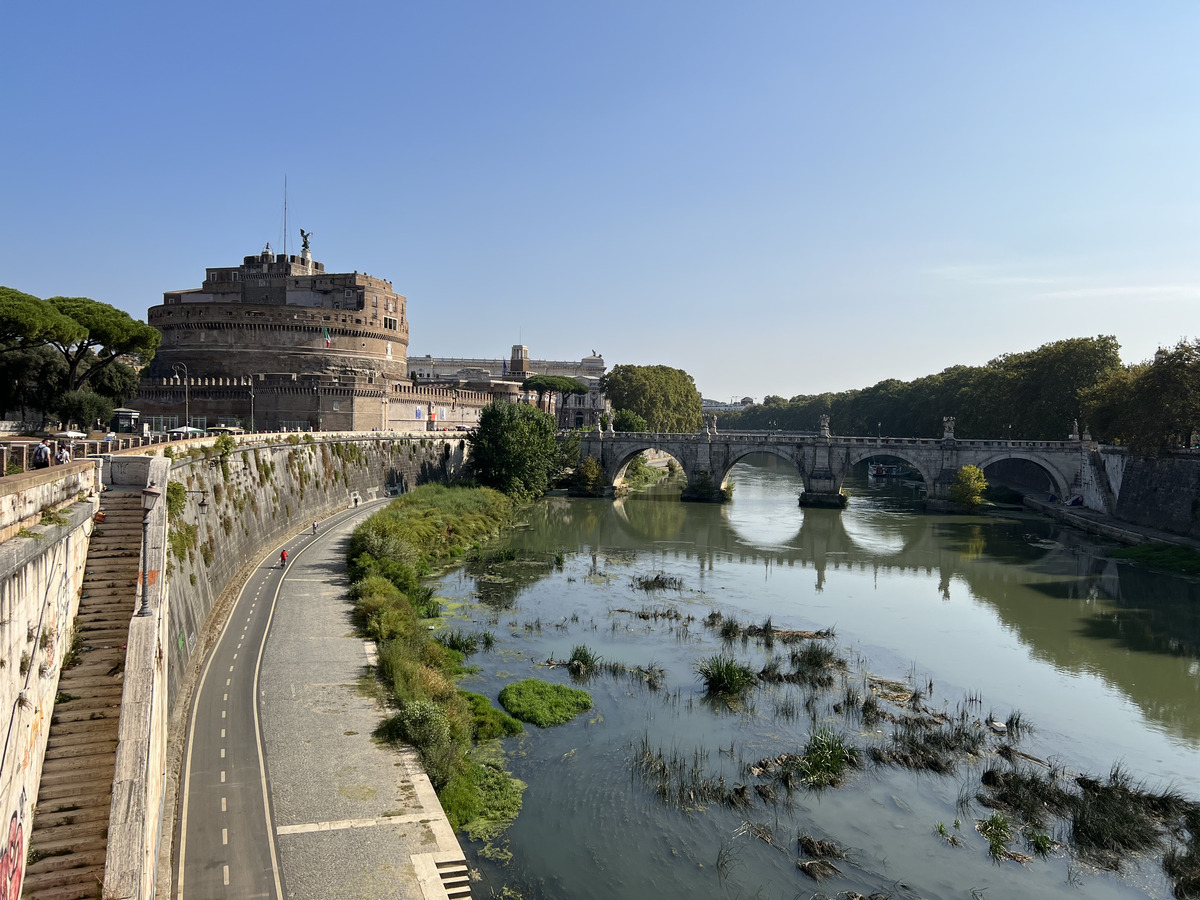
x: 994, y: 614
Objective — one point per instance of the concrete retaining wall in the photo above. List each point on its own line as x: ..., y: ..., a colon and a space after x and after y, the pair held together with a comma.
x: 39, y: 596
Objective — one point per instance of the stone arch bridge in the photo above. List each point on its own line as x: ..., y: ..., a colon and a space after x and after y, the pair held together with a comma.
x: 823, y: 460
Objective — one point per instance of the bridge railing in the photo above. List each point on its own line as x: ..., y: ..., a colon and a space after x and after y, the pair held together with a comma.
x: 842, y: 440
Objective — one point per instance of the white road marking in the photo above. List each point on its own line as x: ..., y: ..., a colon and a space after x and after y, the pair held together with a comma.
x: 222, y: 776
x: 227, y: 680
x: 222, y: 753
x: 224, y: 808
x: 222, y: 732
x: 222, y: 714
x: 226, y: 698
x: 343, y: 824
x: 224, y: 835
x: 226, y: 876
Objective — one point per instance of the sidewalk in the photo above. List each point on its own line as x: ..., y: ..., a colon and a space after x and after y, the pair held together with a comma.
x: 353, y: 818
x: 1098, y: 523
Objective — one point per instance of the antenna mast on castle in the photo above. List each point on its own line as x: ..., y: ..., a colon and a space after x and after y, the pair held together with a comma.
x: 285, y: 216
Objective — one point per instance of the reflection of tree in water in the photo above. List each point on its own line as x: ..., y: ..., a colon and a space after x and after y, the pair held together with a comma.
x: 1169, y: 625
x: 652, y: 518
x: 499, y: 582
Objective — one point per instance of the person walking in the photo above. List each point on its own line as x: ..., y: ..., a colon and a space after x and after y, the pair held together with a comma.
x: 314, y: 527
x: 63, y: 456
x: 41, y: 455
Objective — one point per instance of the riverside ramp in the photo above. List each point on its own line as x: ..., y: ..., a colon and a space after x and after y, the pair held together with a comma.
x: 350, y: 818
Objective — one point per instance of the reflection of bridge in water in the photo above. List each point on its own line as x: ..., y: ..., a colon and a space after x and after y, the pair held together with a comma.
x: 1073, y: 609
x: 823, y: 460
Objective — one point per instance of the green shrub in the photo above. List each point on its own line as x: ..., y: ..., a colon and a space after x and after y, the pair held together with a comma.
x: 423, y: 724
x: 544, y: 704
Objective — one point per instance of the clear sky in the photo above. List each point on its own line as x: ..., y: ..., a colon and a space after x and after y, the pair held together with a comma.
x: 780, y: 198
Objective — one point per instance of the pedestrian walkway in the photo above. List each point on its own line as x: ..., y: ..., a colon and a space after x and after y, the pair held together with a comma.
x: 1094, y: 522
x: 353, y: 818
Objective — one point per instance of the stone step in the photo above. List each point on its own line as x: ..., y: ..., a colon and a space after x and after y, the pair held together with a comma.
x: 70, y: 798
x: 95, y: 815
x: 80, y: 838
x: 75, y: 794
x: 70, y: 717
x: 80, y: 745
x: 63, y: 871
x: 79, y: 891
x: 88, y: 770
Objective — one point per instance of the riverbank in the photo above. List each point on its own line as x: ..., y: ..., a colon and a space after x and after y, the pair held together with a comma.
x: 388, y: 555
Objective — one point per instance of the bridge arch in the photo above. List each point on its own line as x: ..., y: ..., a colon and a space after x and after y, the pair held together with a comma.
x: 923, y: 469
x: 615, y: 470
x: 1061, y: 481
x: 780, y: 451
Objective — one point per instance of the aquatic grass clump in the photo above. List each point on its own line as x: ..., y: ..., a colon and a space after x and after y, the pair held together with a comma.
x: 1029, y: 794
x: 1182, y: 863
x: 461, y: 641
x: 826, y: 759
x: 730, y: 629
x: 544, y: 704
x: 812, y: 663
x: 724, y: 675
x: 935, y: 744
x: 679, y: 780
x: 997, y: 831
x: 659, y: 581
x: 584, y: 662
x: 1116, y: 816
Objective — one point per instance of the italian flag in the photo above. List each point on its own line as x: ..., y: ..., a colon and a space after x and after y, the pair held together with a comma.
x: 326, y: 330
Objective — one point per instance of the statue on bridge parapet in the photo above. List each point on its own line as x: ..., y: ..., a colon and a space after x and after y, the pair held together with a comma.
x: 947, y: 428
x: 824, y: 425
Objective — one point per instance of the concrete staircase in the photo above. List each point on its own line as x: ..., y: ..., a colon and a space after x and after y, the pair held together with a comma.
x: 70, y: 826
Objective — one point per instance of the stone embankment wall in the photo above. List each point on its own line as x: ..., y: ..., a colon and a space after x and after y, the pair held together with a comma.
x: 39, y: 596
x: 256, y: 497
x: 1161, y: 492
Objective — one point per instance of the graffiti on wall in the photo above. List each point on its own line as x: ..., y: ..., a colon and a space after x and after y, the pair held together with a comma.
x: 12, y: 855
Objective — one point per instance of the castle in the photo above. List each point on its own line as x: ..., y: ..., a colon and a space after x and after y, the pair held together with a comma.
x: 279, y: 344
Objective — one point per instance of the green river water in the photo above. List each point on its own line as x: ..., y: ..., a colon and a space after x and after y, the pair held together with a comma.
x: 1010, y: 612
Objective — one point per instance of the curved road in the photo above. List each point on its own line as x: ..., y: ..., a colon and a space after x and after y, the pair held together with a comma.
x: 274, y: 792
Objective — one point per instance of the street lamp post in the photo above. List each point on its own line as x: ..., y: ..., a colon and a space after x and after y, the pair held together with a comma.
x: 187, y: 405
x: 252, y: 404
x: 150, y: 495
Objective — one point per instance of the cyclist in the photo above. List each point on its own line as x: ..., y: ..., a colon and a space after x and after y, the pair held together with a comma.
x: 283, y: 559
x: 314, y: 527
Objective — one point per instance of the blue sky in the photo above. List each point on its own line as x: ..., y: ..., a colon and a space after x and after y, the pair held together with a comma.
x: 780, y: 198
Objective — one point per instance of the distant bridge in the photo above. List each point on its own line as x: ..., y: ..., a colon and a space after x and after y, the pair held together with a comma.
x: 823, y: 459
